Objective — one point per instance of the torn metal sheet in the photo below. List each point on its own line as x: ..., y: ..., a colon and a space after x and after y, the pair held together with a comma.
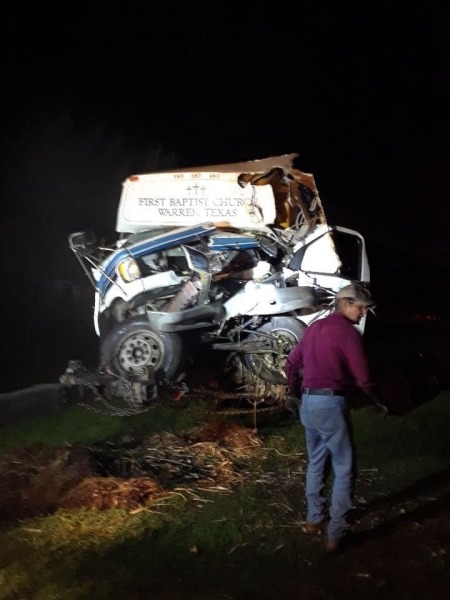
x: 247, y: 195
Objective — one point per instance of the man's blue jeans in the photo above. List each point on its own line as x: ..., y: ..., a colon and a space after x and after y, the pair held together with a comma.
x: 325, y: 419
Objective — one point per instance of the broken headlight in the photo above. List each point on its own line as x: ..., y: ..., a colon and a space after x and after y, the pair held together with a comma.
x: 129, y: 270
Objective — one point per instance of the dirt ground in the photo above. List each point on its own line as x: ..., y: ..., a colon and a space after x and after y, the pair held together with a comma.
x: 407, y: 556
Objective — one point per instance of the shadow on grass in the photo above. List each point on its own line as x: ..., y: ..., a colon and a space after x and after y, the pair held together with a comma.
x: 412, y: 504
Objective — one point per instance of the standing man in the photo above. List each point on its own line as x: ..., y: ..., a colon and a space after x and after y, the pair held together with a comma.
x: 330, y: 360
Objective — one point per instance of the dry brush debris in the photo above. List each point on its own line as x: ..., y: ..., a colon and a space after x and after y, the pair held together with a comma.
x: 39, y: 480
x: 112, y: 492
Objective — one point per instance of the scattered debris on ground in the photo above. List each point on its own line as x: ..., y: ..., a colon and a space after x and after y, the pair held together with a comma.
x: 39, y: 480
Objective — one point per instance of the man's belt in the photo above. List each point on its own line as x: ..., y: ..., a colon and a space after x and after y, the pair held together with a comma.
x: 323, y: 392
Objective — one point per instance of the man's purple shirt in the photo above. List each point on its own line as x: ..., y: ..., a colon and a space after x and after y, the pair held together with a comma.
x: 331, y: 354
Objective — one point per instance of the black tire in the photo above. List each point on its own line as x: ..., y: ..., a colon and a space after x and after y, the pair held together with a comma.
x: 270, y: 367
x: 133, y: 345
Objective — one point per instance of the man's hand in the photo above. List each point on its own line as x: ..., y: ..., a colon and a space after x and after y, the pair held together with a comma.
x: 382, y: 408
x: 295, y: 387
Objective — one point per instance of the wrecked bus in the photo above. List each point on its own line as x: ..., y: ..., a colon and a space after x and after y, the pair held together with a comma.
x: 222, y: 264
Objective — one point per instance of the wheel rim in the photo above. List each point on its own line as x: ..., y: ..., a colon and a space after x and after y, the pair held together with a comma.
x: 270, y: 366
x: 142, y: 349
x: 285, y: 341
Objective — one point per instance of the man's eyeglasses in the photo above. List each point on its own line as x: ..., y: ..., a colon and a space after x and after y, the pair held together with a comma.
x: 363, y: 306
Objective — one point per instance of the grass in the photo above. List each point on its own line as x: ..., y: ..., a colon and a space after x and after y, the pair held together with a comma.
x: 244, y: 543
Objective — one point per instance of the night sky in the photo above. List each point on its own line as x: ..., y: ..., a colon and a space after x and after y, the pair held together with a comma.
x: 94, y: 92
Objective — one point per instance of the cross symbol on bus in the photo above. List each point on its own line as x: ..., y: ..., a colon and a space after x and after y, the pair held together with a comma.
x: 196, y: 187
